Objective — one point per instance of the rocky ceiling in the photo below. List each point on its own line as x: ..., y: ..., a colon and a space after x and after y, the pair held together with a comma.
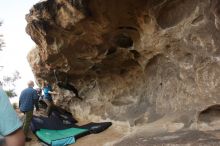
x: 131, y: 60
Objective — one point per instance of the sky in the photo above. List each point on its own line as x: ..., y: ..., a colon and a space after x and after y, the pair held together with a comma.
x: 18, y: 42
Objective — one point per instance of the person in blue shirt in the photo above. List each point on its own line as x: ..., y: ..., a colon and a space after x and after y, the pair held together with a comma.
x: 48, y: 99
x: 10, y: 125
x: 27, y: 100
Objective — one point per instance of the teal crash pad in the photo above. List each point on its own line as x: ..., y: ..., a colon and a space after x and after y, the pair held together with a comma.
x: 66, y: 136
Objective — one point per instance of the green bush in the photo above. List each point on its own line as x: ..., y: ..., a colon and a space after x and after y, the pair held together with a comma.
x: 15, y: 106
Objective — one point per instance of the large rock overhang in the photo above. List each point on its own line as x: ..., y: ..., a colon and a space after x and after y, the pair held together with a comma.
x: 131, y: 60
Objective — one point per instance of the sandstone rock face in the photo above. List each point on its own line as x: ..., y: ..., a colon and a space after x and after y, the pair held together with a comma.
x: 131, y: 60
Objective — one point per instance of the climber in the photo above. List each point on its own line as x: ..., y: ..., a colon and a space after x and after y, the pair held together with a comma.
x: 67, y: 86
x: 47, y: 89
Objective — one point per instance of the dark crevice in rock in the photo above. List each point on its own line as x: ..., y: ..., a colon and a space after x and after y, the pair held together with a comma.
x: 135, y: 53
x: 198, y: 19
x: 127, y: 28
x: 111, y: 50
x: 82, y: 5
x: 123, y: 41
x: 210, y: 114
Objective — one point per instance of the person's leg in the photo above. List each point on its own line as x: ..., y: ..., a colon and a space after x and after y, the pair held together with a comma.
x: 27, y: 121
x: 49, y: 106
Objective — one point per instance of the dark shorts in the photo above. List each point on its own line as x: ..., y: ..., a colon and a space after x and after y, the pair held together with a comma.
x: 48, y: 98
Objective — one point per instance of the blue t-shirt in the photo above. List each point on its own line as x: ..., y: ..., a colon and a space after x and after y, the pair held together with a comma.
x: 46, y: 90
x: 27, y: 99
x: 9, y: 121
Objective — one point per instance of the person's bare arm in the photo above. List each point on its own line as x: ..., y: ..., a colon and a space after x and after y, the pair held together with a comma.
x: 53, y: 92
x: 16, y: 138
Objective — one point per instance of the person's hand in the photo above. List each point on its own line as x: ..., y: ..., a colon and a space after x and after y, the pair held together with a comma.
x: 42, y: 83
